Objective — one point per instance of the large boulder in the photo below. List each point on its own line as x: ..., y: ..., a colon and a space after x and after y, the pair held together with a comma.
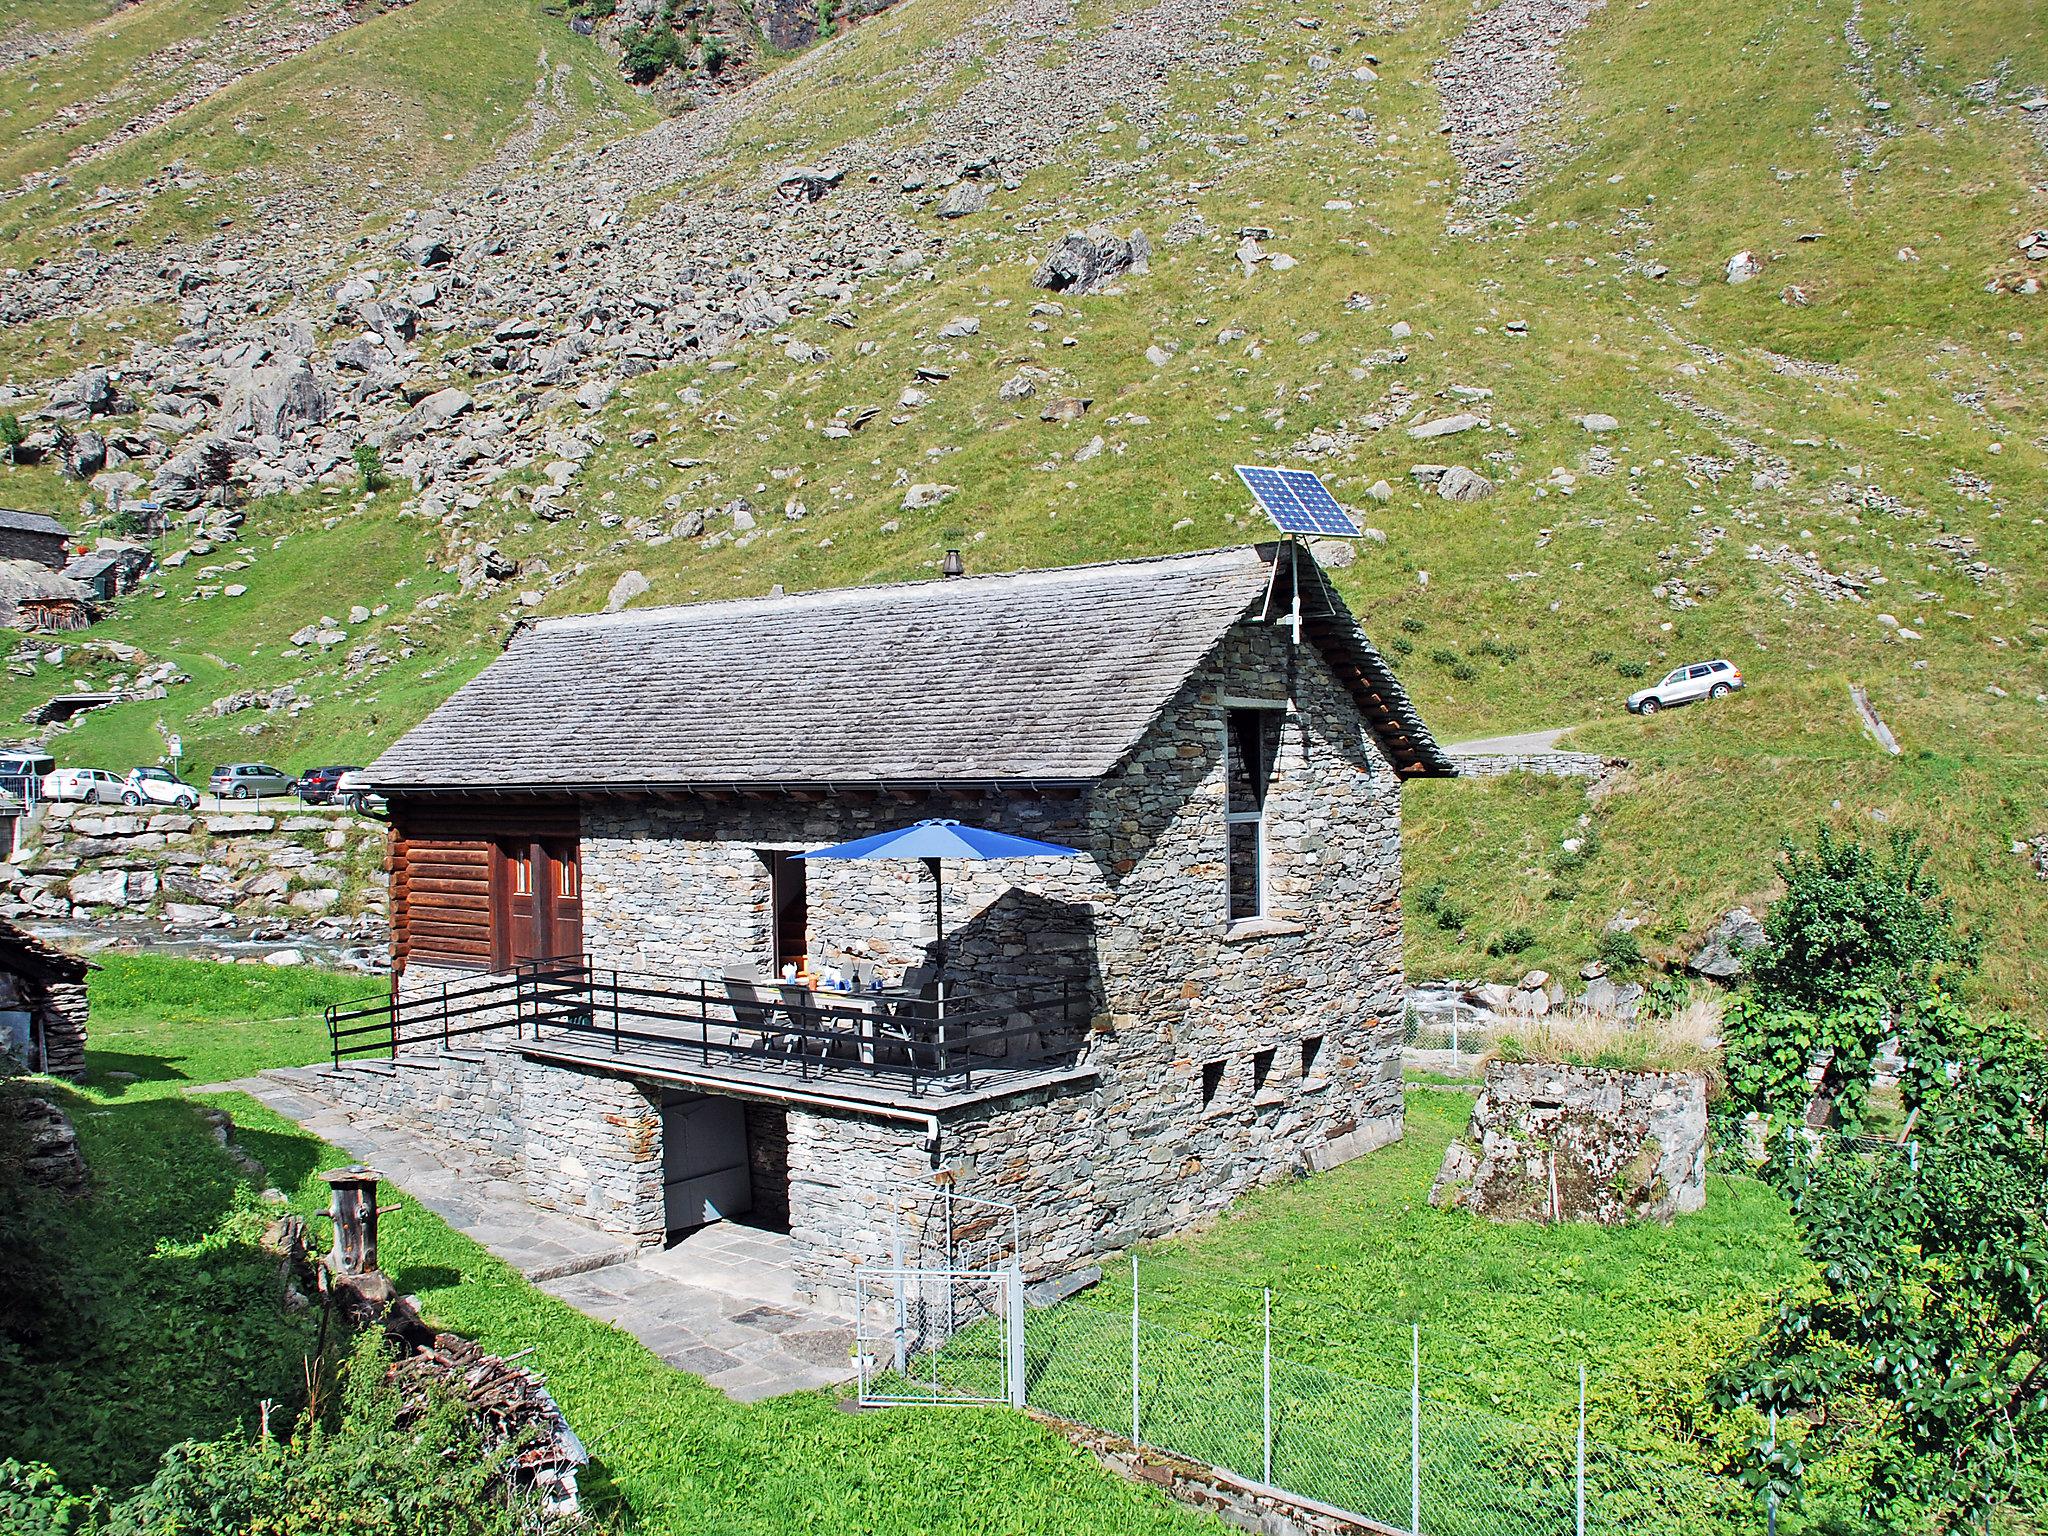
x: 89, y: 392
x: 1084, y: 260
x: 275, y: 400
x: 424, y: 250
x: 1461, y: 484
x: 1728, y: 945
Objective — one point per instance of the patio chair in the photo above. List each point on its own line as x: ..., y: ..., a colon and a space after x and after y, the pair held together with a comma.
x: 756, y: 1011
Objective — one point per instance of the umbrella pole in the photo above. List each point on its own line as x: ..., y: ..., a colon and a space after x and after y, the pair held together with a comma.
x: 939, y: 924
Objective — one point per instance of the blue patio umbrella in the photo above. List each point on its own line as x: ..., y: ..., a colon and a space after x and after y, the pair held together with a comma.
x: 936, y: 840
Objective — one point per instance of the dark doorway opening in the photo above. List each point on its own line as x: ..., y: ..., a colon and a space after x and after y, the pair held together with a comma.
x: 789, y: 914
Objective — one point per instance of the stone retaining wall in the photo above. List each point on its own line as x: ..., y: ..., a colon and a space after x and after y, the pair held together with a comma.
x: 199, y: 869
x: 1573, y: 765
x: 584, y: 1143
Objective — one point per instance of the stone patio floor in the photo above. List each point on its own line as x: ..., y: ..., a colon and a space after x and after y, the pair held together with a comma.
x: 720, y: 1303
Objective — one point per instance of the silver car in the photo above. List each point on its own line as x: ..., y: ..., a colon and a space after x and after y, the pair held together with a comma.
x: 238, y: 781
x: 1688, y: 684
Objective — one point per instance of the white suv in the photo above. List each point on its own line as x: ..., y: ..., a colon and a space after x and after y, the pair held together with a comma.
x: 1686, y: 685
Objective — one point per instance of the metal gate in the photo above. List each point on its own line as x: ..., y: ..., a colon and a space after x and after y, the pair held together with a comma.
x: 943, y: 1321
x: 936, y: 1337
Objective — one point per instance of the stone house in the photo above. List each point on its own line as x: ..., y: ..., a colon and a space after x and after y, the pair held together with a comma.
x: 35, y: 536
x: 1118, y: 1044
x: 42, y: 1003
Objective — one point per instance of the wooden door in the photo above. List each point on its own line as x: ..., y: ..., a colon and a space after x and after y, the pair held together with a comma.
x: 542, y: 881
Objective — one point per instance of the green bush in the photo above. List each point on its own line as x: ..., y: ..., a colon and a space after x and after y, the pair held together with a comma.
x: 379, y: 1465
x: 1413, y: 625
x: 1450, y: 916
x: 1853, y: 920
x: 1463, y: 671
x: 11, y: 435
x: 1444, y: 656
x: 1400, y: 647
x: 1632, y: 670
x: 650, y: 52
x: 1666, y: 994
x: 369, y: 468
x: 1619, y: 952
x: 1429, y: 897
x: 1512, y: 940
x: 714, y: 54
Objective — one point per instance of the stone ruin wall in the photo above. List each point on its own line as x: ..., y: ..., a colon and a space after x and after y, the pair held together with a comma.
x: 1550, y: 1142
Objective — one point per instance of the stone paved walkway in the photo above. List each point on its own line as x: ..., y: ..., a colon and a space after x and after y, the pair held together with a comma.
x: 721, y: 1303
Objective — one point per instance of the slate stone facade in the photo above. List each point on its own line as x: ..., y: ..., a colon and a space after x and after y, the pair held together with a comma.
x: 1297, y: 1017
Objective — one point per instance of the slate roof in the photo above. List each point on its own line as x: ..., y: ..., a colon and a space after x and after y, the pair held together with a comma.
x: 1046, y: 677
x: 88, y: 567
x: 31, y: 522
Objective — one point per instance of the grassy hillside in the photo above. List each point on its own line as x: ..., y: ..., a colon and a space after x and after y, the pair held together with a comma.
x: 370, y: 120
x: 1860, y: 409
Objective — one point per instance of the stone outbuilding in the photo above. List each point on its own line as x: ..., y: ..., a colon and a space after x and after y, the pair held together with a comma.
x: 42, y: 1003
x: 593, y: 878
x: 35, y: 536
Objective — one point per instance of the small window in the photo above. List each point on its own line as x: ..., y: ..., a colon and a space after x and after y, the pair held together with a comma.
x: 522, y: 873
x: 1701, y: 671
x: 1262, y: 1068
x: 1252, y: 742
x: 1719, y: 666
x: 1212, y: 1080
x: 568, y: 877
x: 1311, y: 1054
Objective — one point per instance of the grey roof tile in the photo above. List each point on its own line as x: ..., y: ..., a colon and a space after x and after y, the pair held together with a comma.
x: 1046, y: 676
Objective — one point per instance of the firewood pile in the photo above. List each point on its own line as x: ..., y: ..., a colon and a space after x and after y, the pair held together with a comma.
x: 511, y: 1403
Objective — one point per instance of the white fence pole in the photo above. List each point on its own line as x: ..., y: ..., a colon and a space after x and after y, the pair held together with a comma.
x: 1266, y: 1389
x: 902, y: 1307
x: 1415, y: 1434
x: 1018, y: 1391
x: 1134, y: 1350
x: 1580, y: 1527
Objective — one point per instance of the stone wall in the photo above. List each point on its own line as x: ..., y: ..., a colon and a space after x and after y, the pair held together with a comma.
x: 200, y: 870
x: 585, y: 1143
x: 1575, y: 765
x: 1564, y: 1143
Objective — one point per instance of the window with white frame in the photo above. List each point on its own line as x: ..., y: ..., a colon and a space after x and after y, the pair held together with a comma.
x: 1252, y: 740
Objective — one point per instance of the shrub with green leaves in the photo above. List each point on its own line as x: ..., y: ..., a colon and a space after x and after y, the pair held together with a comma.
x: 647, y: 53
x: 369, y: 468
x: 11, y: 436
x: 1854, y: 920
x: 1916, y: 1343
x: 1632, y: 670
x: 383, y: 1464
x: 1450, y: 916
x: 1514, y: 939
x: 715, y: 53
x: 1620, y: 952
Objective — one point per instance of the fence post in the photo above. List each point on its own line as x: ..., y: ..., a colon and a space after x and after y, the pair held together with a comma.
x: 1134, y: 1350
x: 1266, y: 1390
x: 902, y: 1310
x: 1771, y: 1497
x: 1580, y: 1526
x: 1018, y: 1390
x: 1415, y: 1432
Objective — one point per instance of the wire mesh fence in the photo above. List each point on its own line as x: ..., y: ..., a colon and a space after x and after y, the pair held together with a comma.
x: 1402, y: 1458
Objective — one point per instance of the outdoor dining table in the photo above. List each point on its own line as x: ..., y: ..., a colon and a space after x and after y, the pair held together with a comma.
x: 815, y: 1008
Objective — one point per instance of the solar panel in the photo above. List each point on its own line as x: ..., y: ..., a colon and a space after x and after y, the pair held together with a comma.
x: 1298, y: 502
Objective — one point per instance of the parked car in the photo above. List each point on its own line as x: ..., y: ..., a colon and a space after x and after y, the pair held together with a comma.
x: 95, y: 786
x: 158, y: 786
x: 317, y: 785
x: 22, y: 774
x: 238, y: 781
x: 1686, y: 685
x: 353, y: 791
